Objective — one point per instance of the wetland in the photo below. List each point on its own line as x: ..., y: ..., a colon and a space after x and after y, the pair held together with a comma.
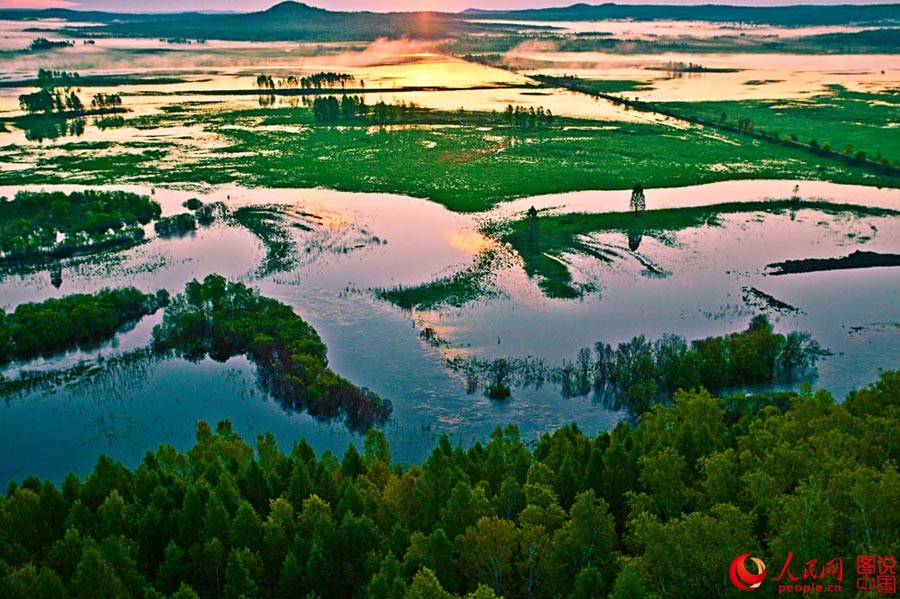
x: 394, y: 219
x: 567, y: 302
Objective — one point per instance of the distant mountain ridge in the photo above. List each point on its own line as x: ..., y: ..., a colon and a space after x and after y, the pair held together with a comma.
x: 801, y: 14
x: 286, y: 21
x: 296, y: 21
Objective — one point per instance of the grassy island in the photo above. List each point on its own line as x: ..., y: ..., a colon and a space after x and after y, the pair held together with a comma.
x: 56, y: 224
x: 223, y: 319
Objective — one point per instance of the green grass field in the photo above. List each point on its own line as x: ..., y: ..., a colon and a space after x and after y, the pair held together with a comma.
x: 467, y: 162
x: 558, y: 235
x: 842, y: 118
x: 457, y: 289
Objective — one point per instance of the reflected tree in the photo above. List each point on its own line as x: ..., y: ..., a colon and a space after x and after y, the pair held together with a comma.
x: 56, y: 275
x: 113, y: 122
x: 634, y: 240
x: 584, y: 370
x: 44, y: 128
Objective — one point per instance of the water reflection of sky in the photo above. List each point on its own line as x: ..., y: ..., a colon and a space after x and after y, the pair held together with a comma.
x: 777, y: 75
x: 378, y: 346
x: 628, y: 29
x: 374, y: 344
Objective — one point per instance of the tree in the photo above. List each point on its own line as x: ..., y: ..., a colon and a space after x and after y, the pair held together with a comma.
x: 486, y: 551
x: 375, y: 447
x: 388, y: 582
x: 172, y: 571
x: 241, y: 573
x: 95, y: 579
x: 532, y: 224
x: 56, y: 94
x: 264, y: 81
x: 588, y: 584
x: 425, y: 585
x: 39, y: 101
x: 541, y: 516
x: 585, y: 365
x: 685, y: 557
x: 634, y: 240
x: 185, y: 591
x: 111, y: 515
x: 798, y: 353
x: 630, y: 584
x: 588, y: 538
x: 638, y: 202
x: 662, y: 474
x: 464, y: 508
x: 498, y: 389
x: 247, y: 530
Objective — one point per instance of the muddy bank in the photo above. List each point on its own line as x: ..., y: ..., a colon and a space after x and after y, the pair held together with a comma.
x: 857, y: 259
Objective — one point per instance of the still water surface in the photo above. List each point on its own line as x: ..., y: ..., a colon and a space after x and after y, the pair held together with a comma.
x: 363, y: 241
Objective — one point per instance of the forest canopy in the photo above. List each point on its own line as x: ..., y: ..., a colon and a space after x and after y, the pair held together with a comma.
x: 78, y: 320
x: 56, y: 223
x: 655, y: 510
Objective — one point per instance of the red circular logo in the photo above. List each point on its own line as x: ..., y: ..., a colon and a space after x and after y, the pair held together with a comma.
x: 742, y: 578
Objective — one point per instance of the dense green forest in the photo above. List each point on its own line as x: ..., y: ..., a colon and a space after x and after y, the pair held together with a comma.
x: 223, y: 319
x: 60, y: 224
x: 657, y: 510
x: 56, y: 325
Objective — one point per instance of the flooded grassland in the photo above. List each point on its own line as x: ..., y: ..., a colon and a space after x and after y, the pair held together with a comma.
x: 405, y: 242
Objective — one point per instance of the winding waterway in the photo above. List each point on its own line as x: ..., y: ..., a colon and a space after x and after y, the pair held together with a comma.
x: 354, y: 243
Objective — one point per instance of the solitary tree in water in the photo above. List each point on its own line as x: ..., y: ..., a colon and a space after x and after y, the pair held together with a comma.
x: 638, y: 202
x: 532, y: 224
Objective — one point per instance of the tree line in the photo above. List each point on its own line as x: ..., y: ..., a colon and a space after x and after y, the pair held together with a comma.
x: 528, y: 118
x: 742, y: 125
x: 640, y: 373
x: 658, y: 509
x: 222, y: 319
x: 58, y: 95
x: 746, y: 124
x: 39, y: 44
x: 328, y: 80
x: 78, y: 320
x: 328, y: 109
x: 213, y: 318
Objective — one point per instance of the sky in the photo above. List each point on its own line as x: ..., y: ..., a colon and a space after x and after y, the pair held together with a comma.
x: 374, y: 5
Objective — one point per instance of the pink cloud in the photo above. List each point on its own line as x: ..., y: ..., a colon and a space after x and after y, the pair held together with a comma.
x: 37, y: 4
